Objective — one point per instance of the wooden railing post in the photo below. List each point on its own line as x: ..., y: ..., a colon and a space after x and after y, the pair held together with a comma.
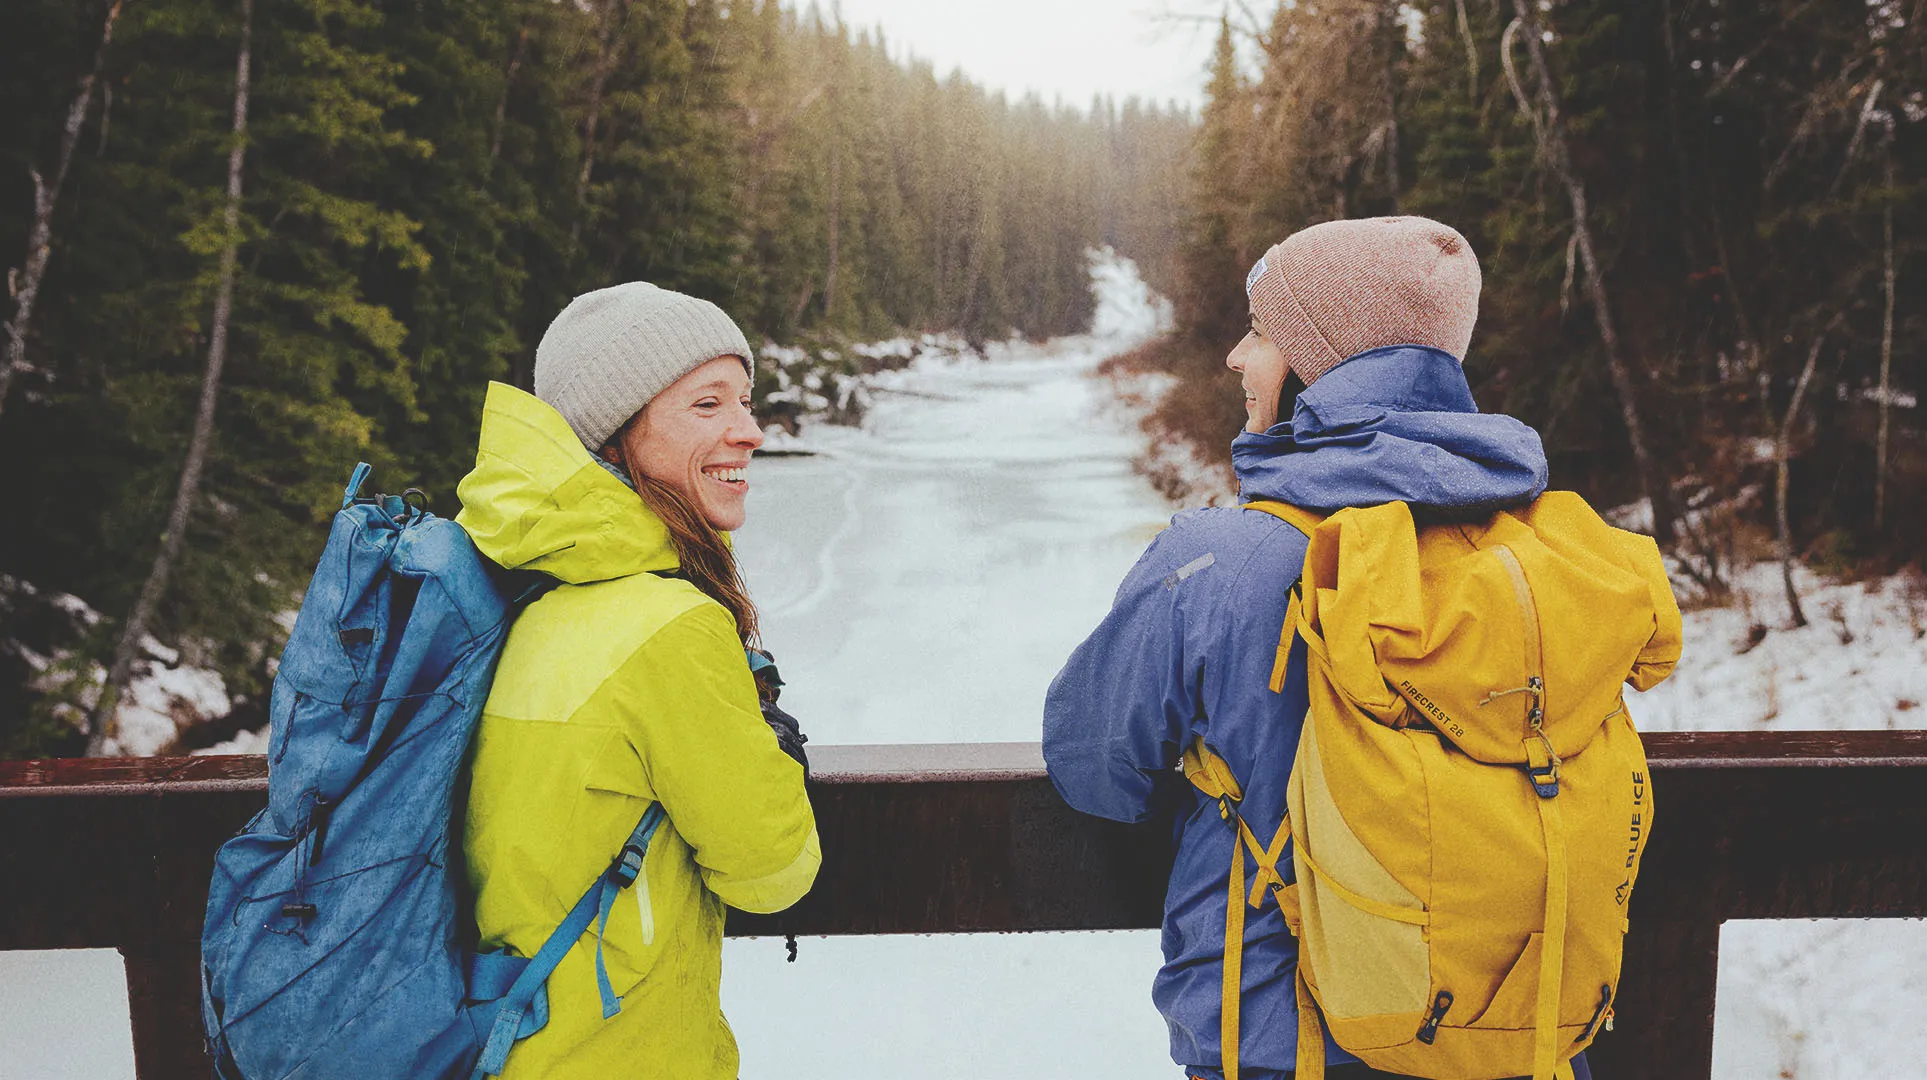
x: 164, y: 1002
x: 1663, y: 1022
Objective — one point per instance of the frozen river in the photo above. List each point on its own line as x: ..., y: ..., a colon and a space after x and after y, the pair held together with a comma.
x: 921, y: 579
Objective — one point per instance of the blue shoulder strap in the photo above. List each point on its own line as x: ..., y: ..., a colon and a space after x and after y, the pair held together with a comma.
x: 593, y: 907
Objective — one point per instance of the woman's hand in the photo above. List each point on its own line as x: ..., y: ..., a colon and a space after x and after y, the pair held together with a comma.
x: 769, y: 686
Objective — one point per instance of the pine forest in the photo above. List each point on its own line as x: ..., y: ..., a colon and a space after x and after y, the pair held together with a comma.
x: 252, y: 242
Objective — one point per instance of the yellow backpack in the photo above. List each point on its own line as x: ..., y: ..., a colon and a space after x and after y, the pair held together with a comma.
x: 1469, y: 800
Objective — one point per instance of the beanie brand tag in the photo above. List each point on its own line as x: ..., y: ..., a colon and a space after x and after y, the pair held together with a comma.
x: 1257, y: 271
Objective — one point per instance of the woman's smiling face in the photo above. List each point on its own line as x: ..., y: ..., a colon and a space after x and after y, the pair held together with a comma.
x: 1261, y: 365
x: 697, y: 437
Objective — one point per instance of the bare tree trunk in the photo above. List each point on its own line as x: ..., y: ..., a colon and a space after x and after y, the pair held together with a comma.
x: 1389, y: 30
x: 802, y: 302
x: 24, y: 284
x: 1782, y: 453
x: 1391, y: 148
x: 605, y: 65
x: 508, y: 83
x: 1673, y: 136
x: 101, y: 723
x: 1551, y: 133
x: 1471, y: 55
x: 1886, y: 350
x: 836, y: 218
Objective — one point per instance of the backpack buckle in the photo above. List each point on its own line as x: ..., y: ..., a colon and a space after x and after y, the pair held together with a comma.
x: 627, y: 865
x: 1545, y: 781
x: 1542, y: 765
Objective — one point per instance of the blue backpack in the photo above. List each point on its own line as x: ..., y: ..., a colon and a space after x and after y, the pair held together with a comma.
x: 340, y: 936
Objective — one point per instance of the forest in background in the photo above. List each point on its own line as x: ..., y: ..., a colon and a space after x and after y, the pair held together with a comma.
x: 386, y: 212
x: 1699, y: 222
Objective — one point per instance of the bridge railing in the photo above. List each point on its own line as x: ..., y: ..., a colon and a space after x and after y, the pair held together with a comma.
x: 971, y: 838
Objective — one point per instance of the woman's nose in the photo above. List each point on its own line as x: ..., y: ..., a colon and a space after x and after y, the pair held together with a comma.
x: 746, y: 432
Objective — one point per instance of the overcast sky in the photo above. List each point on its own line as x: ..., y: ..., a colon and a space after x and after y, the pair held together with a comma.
x: 1071, y: 49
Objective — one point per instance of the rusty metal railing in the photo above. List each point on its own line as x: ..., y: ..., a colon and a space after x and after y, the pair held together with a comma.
x: 968, y: 838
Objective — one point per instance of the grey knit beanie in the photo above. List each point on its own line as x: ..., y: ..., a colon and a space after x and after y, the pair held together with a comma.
x: 612, y: 350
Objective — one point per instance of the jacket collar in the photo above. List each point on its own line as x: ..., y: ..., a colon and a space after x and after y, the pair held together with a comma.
x: 537, y: 499
x: 1393, y: 424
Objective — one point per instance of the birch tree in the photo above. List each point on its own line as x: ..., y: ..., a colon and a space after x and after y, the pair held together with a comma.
x: 23, y: 283
x: 101, y: 726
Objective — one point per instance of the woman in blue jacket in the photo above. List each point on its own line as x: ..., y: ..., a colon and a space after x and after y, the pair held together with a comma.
x: 1372, y: 319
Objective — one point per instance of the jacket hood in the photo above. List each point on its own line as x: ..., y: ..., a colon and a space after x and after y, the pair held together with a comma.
x: 1396, y: 423
x: 537, y: 500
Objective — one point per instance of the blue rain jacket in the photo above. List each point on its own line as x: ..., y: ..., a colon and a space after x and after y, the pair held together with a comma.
x: 1188, y: 646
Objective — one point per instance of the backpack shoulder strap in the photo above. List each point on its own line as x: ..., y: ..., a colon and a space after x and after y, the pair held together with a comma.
x: 1213, y: 777
x: 1296, y: 516
x: 594, y: 908
x: 1304, y: 521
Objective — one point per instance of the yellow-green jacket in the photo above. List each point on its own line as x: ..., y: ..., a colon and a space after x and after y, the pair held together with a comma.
x: 618, y: 687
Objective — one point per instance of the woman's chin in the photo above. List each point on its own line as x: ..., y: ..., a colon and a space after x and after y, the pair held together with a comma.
x: 725, y: 518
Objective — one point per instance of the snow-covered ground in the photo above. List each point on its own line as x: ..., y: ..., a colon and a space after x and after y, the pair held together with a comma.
x: 922, y: 577
x: 1860, y: 662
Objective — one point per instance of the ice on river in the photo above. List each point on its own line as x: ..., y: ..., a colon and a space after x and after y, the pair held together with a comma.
x: 921, y: 579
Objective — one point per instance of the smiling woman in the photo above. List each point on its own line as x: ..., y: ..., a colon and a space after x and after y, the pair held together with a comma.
x: 626, y: 686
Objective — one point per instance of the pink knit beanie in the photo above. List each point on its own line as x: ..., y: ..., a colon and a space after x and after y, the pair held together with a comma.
x: 1335, y: 290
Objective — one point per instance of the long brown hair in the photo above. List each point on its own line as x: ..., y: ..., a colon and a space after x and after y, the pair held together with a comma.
x: 706, y: 558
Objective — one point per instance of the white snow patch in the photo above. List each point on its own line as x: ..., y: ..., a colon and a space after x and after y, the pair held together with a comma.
x: 152, y: 647
x: 246, y: 742
x: 1821, y: 999
x: 64, y: 1016
x: 157, y: 705
x: 1860, y: 662
x: 76, y: 607
x: 1128, y: 311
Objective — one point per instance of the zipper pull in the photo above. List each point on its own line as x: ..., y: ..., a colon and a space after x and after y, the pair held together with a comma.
x: 1600, y: 1011
x: 318, y: 824
x: 1429, y: 1031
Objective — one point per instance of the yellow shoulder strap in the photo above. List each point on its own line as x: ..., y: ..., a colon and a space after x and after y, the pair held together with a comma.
x: 1211, y: 775
x: 1304, y: 521
x: 1296, y: 516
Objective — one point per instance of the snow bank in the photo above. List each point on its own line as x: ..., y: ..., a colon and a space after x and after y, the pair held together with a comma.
x: 1860, y: 662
